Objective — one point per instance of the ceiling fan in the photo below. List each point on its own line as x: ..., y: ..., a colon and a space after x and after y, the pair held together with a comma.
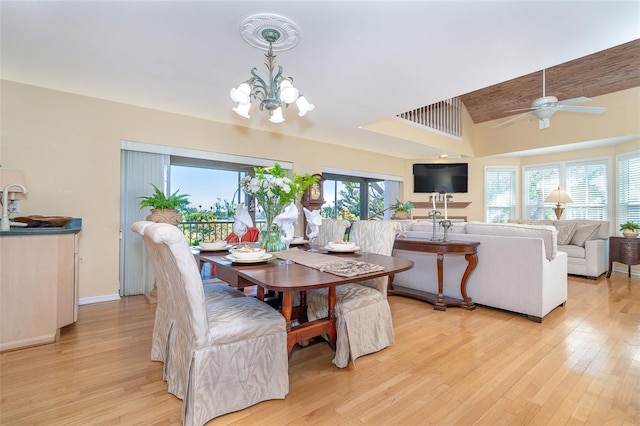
x: 543, y: 108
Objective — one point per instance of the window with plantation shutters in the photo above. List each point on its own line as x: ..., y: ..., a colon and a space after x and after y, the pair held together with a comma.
x: 628, y: 200
x: 501, y: 198
x: 538, y: 182
x: 587, y: 183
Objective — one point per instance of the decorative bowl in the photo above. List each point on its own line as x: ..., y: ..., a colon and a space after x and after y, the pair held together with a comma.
x: 341, y: 245
x: 213, y: 244
x: 247, y: 253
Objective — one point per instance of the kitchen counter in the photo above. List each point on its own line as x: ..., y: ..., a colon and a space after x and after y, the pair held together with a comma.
x: 38, y: 283
x: 73, y: 227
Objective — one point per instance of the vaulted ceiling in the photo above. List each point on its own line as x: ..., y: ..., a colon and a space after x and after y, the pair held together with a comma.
x: 601, y: 73
x: 358, y: 61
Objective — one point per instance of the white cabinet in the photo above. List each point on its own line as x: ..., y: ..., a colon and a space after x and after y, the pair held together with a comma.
x: 38, y: 287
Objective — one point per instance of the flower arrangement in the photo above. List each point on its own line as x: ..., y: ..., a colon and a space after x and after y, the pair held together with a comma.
x: 274, y: 190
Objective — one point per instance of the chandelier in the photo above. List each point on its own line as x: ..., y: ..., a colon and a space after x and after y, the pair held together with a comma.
x: 274, y: 91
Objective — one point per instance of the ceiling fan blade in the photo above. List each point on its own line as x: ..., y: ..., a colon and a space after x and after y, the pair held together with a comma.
x: 517, y: 117
x: 521, y: 109
x: 589, y: 110
x: 574, y: 101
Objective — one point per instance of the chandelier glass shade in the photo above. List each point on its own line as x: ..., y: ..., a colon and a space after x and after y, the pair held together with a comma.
x: 274, y: 92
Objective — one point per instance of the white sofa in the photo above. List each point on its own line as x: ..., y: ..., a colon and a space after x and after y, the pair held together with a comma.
x: 519, y: 266
x: 586, y: 243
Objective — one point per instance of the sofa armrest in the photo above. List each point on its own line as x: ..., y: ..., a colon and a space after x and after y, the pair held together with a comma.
x: 596, y: 257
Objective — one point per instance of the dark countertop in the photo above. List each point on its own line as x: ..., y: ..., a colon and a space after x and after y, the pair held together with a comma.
x: 73, y: 227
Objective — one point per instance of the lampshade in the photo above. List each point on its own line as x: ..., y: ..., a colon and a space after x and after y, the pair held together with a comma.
x: 243, y: 109
x: 558, y: 196
x: 304, y: 106
x: 241, y: 94
x: 276, y: 116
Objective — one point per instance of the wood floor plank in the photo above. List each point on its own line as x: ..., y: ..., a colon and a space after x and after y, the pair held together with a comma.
x: 581, y: 366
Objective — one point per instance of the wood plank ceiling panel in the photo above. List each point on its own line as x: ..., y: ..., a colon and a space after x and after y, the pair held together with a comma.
x: 609, y: 71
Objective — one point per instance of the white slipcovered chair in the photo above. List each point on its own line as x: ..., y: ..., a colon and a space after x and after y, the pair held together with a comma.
x: 223, y: 351
x: 331, y: 230
x: 363, y: 314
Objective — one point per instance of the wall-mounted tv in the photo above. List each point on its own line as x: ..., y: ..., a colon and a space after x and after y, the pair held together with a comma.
x: 440, y: 177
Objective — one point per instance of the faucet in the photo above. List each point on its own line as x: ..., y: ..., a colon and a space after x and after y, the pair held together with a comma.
x: 5, y: 224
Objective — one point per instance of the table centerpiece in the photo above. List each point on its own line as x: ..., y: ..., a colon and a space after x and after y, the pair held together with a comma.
x: 274, y: 190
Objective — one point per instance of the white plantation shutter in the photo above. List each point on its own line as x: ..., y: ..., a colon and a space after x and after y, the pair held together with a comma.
x: 501, y: 198
x: 587, y: 184
x: 538, y: 183
x: 628, y: 172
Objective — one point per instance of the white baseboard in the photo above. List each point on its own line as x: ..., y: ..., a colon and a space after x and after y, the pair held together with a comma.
x: 625, y: 270
x: 98, y: 299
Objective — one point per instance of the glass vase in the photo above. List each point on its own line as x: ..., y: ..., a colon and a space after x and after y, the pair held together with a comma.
x: 270, y: 238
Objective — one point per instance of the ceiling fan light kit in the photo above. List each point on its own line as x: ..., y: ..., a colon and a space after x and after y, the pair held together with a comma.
x: 543, y: 108
x: 276, y: 33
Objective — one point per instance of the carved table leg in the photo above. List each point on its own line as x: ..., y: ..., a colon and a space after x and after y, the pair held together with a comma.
x: 472, y: 260
x: 333, y: 334
x: 439, y: 305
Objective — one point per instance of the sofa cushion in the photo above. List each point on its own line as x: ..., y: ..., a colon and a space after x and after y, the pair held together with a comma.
x: 549, y: 234
x: 573, y: 251
x: 565, y: 233
x: 603, y: 230
x: 584, y: 233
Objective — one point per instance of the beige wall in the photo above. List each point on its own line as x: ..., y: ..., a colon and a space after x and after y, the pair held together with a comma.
x: 69, y: 149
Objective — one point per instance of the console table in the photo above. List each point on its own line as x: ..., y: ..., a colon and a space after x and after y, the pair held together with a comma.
x: 440, y: 302
x: 624, y: 250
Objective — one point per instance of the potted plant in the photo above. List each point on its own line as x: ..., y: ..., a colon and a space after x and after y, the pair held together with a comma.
x: 164, y: 209
x: 629, y: 229
x: 401, y: 210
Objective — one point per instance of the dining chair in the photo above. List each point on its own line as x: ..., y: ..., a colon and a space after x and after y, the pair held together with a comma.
x: 223, y: 351
x: 331, y: 230
x: 363, y: 315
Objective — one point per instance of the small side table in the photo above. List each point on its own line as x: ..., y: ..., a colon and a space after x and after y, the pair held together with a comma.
x: 440, y: 248
x: 624, y: 250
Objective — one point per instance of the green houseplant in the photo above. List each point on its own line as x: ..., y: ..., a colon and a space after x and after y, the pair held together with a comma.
x: 401, y: 210
x: 164, y: 209
x: 629, y: 229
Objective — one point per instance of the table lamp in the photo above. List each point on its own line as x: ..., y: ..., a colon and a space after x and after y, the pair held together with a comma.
x: 558, y: 196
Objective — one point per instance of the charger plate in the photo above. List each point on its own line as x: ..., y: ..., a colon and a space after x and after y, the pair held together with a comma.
x: 264, y: 258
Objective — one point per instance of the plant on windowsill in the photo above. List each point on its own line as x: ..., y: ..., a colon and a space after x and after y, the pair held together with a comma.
x: 401, y: 210
x: 164, y: 209
x: 630, y: 229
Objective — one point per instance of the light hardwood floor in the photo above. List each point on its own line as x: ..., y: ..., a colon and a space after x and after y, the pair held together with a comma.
x: 486, y: 367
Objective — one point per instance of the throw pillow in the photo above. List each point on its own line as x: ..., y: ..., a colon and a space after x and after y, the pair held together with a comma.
x: 583, y: 233
x: 565, y: 233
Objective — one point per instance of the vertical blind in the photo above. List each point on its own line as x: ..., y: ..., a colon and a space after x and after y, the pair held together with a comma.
x: 628, y: 173
x: 501, y: 198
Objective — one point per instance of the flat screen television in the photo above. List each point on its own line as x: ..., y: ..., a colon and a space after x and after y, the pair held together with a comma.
x: 441, y: 177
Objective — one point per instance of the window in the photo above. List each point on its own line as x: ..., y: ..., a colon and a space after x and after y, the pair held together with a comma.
x: 501, y: 198
x: 352, y: 198
x: 628, y: 172
x: 587, y: 185
x: 539, y: 181
x: 586, y: 182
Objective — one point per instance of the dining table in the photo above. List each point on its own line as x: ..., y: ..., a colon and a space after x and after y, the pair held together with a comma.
x: 276, y: 275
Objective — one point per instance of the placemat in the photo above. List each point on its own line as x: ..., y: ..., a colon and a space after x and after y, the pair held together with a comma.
x: 331, y: 264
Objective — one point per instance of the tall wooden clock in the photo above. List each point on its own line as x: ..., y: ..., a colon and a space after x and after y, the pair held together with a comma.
x: 313, y: 198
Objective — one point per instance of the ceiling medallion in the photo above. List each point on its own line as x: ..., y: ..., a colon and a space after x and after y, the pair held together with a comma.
x: 252, y: 28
